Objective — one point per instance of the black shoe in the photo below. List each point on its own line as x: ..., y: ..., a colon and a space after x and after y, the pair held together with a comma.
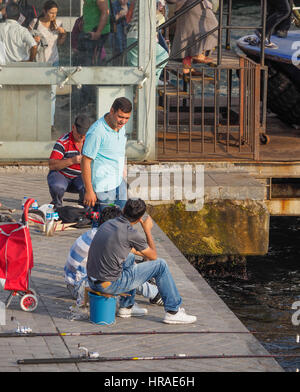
x: 157, y: 300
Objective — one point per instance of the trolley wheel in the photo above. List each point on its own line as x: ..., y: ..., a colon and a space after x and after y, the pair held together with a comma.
x: 264, y: 139
x: 28, y: 302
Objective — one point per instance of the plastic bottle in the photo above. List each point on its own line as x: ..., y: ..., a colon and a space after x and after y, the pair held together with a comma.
x: 49, y: 220
x: 24, y: 201
x: 35, y: 205
x: 49, y: 212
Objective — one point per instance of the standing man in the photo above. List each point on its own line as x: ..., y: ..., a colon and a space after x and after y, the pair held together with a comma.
x: 96, y: 29
x: 64, y: 162
x: 16, y: 40
x: 103, y: 161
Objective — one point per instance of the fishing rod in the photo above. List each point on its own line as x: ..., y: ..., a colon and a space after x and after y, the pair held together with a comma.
x: 94, y: 357
x: 23, y: 333
x: 101, y: 333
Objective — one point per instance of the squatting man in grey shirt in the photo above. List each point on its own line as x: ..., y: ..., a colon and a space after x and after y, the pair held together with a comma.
x: 111, y: 267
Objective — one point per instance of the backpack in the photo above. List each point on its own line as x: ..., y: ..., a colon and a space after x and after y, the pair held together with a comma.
x: 77, y: 29
x: 69, y: 214
x: 28, y: 13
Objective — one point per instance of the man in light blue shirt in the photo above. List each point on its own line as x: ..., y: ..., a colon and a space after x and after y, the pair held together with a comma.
x: 103, y: 161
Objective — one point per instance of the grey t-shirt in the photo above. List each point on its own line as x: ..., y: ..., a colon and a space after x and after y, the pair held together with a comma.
x: 110, y: 247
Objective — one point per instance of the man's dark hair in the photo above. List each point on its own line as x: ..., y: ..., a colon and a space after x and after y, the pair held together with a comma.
x: 109, y: 212
x: 12, y: 11
x: 134, y: 209
x: 123, y: 104
x: 82, y: 123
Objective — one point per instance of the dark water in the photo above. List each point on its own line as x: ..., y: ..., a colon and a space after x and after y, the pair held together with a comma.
x: 263, y: 299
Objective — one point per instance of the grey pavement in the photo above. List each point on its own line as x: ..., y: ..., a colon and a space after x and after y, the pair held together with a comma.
x: 53, y: 314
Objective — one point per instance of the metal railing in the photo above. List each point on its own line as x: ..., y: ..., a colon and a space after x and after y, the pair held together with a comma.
x: 208, y: 116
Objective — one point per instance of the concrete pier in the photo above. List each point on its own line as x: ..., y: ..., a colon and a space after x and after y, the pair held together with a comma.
x: 205, y: 210
x: 53, y: 315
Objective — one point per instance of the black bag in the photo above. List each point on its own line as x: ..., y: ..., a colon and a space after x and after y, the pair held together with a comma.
x: 69, y: 214
x: 28, y: 11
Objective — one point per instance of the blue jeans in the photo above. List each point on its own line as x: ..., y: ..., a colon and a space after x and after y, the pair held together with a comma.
x: 161, y: 55
x: 116, y: 196
x: 59, y: 184
x: 134, y: 275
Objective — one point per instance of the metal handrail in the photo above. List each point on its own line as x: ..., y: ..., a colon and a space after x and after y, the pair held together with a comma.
x: 220, y: 28
x: 164, y: 25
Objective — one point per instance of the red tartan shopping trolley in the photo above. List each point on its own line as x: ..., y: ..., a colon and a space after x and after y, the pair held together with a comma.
x: 16, y: 261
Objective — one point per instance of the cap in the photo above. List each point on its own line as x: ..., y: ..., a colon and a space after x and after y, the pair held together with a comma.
x: 82, y: 123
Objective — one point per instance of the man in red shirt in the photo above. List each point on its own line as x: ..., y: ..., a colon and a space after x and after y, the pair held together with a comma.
x: 64, y: 163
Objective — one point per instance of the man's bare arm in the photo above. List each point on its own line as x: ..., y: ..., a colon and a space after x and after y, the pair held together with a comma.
x: 150, y: 252
x: 32, y: 54
x: 59, y: 164
x: 104, y: 9
x: 90, y: 197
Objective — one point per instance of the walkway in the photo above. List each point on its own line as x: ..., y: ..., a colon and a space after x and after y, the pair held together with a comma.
x: 53, y: 313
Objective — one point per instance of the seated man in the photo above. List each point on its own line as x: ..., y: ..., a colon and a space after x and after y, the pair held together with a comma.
x: 75, y: 267
x: 16, y: 40
x: 64, y: 163
x: 111, y: 271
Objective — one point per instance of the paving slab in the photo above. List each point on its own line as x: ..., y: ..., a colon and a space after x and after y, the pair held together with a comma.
x: 53, y: 312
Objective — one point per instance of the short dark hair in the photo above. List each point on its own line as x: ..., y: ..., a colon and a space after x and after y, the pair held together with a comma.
x: 12, y: 11
x: 109, y: 212
x: 82, y: 123
x: 123, y: 104
x: 134, y: 209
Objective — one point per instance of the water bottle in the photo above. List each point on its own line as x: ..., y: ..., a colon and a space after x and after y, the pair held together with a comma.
x: 49, y: 212
x: 35, y: 205
x: 24, y: 201
x: 49, y: 220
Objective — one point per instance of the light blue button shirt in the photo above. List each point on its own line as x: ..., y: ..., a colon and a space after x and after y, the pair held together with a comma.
x: 106, y: 148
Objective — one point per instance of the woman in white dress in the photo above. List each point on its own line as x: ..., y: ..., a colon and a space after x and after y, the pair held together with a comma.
x: 52, y: 34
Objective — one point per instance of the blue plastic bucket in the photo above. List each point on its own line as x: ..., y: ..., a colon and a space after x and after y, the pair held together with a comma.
x: 102, y: 309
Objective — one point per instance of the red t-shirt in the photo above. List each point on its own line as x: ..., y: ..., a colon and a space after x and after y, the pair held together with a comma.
x: 64, y: 148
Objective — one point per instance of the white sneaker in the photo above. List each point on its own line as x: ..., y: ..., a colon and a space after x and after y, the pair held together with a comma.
x: 134, y: 311
x: 179, y: 318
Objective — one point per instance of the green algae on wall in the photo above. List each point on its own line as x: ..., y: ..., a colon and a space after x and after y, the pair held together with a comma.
x: 220, y: 227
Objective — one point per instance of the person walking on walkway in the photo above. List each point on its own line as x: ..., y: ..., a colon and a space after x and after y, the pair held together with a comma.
x: 189, y: 27
x: 16, y: 42
x: 111, y: 268
x: 53, y: 33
